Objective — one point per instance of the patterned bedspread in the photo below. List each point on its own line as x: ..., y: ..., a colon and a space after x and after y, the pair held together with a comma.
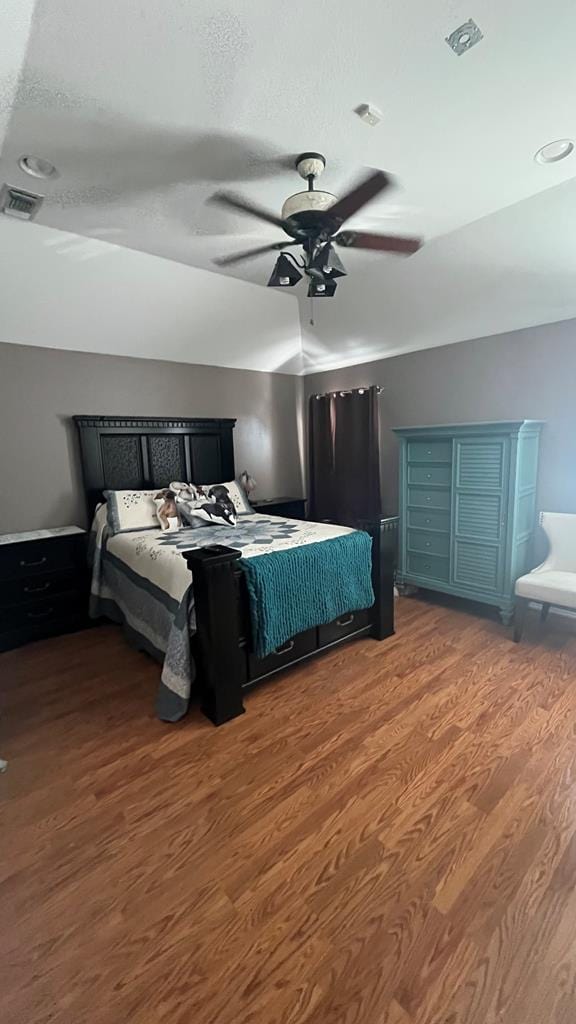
x: 141, y: 580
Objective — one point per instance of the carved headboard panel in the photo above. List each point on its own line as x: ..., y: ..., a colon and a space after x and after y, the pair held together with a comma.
x: 120, y: 453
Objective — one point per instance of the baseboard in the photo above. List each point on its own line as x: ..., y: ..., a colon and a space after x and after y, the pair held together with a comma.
x: 554, y: 611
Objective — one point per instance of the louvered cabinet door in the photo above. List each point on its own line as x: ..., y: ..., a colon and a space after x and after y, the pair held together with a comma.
x: 479, y: 513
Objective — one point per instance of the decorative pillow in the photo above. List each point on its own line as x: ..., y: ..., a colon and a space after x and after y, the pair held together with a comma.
x: 234, y: 493
x: 166, y: 509
x: 131, y: 510
x: 206, y: 513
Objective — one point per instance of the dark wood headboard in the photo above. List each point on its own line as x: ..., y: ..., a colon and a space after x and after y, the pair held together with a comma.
x: 129, y: 452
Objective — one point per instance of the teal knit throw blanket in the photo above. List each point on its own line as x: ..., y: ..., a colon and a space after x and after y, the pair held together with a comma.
x: 306, y: 586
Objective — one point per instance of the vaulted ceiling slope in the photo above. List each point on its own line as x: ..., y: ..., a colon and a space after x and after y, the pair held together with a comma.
x: 147, y: 107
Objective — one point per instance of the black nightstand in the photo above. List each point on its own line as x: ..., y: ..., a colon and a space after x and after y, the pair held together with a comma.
x: 290, y: 508
x: 44, y: 585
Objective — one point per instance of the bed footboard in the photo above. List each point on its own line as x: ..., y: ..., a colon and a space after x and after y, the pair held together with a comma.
x: 220, y: 661
x: 384, y: 533
x: 225, y: 664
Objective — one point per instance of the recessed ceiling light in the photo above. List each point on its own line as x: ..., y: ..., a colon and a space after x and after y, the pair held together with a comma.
x: 552, y: 152
x: 37, y: 167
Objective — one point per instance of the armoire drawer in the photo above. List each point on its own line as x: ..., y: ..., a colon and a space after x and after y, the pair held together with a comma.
x: 430, y: 567
x: 429, y: 543
x: 430, y: 451
x: 430, y: 475
x: 423, y: 497
x: 428, y: 519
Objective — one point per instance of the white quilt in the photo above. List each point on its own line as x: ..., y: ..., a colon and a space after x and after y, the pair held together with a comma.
x: 157, y: 556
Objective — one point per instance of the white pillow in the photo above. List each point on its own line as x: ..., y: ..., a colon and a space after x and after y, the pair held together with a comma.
x: 131, y: 510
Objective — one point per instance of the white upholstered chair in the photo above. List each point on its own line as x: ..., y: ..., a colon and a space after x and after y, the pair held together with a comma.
x: 553, y: 582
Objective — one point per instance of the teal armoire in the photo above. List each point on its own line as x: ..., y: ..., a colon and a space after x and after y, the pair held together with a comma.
x: 467, y: 508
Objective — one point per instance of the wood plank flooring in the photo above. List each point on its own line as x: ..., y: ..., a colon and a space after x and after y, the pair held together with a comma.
x: 388, y: 836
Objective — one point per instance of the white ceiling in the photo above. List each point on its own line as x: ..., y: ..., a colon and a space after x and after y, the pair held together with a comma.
x: 147, y: 106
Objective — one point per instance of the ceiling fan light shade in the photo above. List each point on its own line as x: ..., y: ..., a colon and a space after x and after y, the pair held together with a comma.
x: 319, y: 289
x: 285, y: 273
x: 306, y: 202
x: 328, y: 262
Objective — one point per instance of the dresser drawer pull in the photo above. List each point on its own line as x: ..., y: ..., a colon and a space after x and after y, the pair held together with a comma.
x: 285, y: 648
x: 29, y: 565
x: 429, y: 498
x: 427, y: 544
x: 427, y: 520
x: 345, y: 622
x: 427, y: 565
x: 37, y: 590
x: 429, y: 452
x: 428, y: 476
x: 40, y: 615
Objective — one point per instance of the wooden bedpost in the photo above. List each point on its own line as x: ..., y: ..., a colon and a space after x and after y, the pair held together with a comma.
x: 384, y: 533
x: 221, y: 667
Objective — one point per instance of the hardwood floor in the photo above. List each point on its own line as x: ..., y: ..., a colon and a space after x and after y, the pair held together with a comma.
x: 388, y: 836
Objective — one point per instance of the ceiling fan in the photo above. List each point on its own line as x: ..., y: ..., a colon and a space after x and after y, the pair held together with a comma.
x: 313, y: 220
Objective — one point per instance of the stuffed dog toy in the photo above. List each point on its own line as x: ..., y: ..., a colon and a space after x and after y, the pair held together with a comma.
x: 168, y: 508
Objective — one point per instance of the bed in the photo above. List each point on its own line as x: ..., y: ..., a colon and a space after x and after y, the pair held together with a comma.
x: 184, y: 597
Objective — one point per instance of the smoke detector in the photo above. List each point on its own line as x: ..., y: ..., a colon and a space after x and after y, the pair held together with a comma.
x: 464, y: 37
x: 15, y: 202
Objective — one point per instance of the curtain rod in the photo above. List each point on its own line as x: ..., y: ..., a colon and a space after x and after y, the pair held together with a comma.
x: 352, y: 391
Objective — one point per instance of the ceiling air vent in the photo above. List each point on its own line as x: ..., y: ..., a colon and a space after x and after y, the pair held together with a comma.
x: 14, y: 202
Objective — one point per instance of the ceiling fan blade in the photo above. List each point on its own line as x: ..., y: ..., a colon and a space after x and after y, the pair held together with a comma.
x: 234, y: 202
x: 366, y: 190
x: 379, y: 243
x: 249, y: 254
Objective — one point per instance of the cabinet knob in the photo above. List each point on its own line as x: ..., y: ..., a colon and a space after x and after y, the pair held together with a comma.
x: 429, y: 452
x: 428, y: 476
x: 428, y: 520
x: 427, y: 565
x: 427, y: 545
x: 428, y: 498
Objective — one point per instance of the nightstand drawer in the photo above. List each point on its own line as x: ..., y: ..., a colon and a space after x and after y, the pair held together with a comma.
x: 36, y: 588
x: 43, y: 613
x: 343, y: 626
x: 39, y: 556
x: 429, y: 543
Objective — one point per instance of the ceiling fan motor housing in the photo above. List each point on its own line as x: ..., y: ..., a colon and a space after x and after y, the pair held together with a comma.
x: 307, y: 202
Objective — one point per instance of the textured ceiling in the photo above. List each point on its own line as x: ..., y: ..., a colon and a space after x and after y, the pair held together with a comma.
x: 147, y: 106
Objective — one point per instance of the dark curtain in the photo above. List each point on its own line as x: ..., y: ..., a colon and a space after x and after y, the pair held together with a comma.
x: 344, y: 442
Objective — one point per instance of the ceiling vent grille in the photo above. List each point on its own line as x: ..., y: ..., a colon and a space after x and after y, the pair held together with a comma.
x: 14, y: 202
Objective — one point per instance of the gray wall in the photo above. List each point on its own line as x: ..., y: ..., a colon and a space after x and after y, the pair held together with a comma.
x: 40, y: 389
x: 528, y: 374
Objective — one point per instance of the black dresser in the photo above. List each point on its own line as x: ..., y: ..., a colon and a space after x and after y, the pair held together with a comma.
x: 44, y: 585
x: 290, y: 508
